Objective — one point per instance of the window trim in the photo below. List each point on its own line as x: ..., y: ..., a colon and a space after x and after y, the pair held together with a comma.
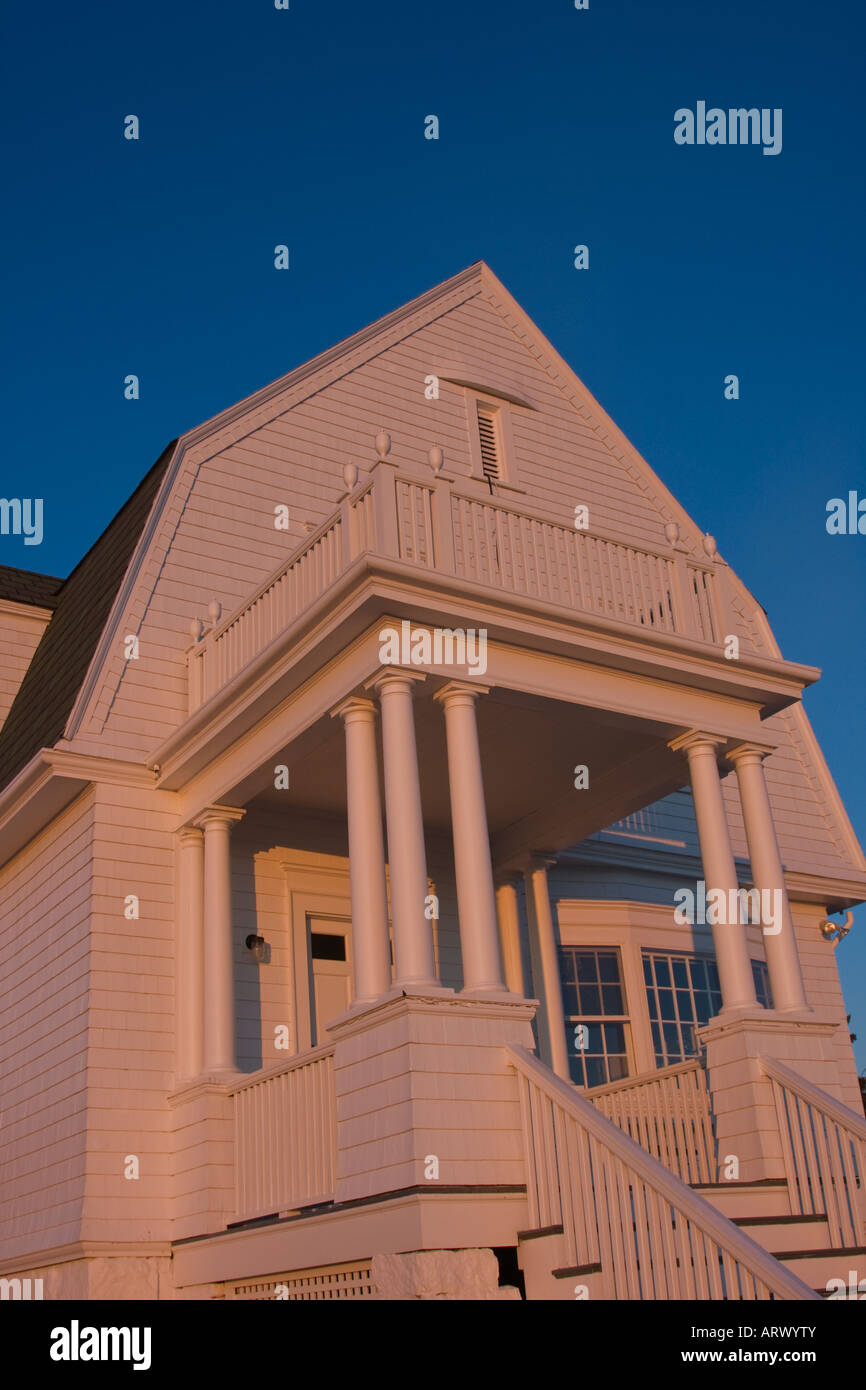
x: 634, y: 927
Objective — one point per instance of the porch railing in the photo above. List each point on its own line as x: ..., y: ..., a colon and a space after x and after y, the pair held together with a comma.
x: 668, y: 1113
x: 824, y: 1148
x: 622, y: 1211
x: 435, y: 525
x: 285, y: 1136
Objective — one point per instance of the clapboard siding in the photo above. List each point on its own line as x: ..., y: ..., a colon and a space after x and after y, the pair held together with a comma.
x: 131, y: 1055
x: 224, y: 542
x: 20, y: 631
x: 44, y: 990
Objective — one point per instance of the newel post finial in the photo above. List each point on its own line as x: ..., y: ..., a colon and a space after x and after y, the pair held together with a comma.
x: 383, y: 444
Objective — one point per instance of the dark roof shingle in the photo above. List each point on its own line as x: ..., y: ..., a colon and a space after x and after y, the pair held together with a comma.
x: 81, y: 605
x: 25, y: 586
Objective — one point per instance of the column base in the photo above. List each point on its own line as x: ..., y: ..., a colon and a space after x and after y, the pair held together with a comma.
x: 747, y: 1127
x: 424, y: 1095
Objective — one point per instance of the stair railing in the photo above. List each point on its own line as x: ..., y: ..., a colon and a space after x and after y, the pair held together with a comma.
x: 622, y: 1211
x: 824, y: 1148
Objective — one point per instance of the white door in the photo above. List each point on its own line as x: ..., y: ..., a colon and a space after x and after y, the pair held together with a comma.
x: 329, y: 942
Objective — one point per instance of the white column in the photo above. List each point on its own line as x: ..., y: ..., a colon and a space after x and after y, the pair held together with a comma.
x: 370, y: 945
x: 476, y: 899
x: 407, y: 856
x: 190, y: 953
x: 768, y: 875
x: 508, y: 914
x: 541, y: 922
x: 219, y: 994
x: 731, y: 948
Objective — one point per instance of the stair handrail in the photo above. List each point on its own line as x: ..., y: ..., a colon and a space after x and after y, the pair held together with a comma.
x: 824, y: 1153
x: 835, y: 1109
x: 706, y: 1218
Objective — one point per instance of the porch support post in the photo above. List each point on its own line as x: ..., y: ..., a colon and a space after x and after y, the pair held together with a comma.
x: 190, y: 954
x: 219, y: 1000
x: 476, y: 899
x: 729, y: 938
x: 780, y: 942
x: 541, y: 926
x: 370, y: 947
x: 407, y: 858
x: 509, y: 935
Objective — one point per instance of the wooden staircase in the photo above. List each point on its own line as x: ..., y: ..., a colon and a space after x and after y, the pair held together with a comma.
x: 612, y: 1220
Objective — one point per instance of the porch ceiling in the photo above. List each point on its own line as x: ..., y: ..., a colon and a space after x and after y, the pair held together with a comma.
x: 530, y: 747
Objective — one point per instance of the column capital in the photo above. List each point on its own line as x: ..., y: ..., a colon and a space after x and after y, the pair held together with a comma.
x: 694, y: 739
x: 354, y: 705
x: 218, y: 815
x: 453, y: 689
x: 396, y: 677
x: 540, y: 859
x: 501, y: 877
x: 190, y: 835
x: 749, y: 752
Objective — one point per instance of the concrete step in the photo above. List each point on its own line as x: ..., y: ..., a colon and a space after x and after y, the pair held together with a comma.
x: 541, y: 1255
x: 746, y: 1199
x: 783, y: 1233
x: 817, y: 1267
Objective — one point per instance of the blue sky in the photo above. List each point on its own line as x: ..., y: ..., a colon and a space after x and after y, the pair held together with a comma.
x: 305, y: 127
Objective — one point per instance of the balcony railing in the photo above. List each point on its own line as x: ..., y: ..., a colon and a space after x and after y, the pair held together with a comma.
x: 439, y: 527
x: 285, y: 1137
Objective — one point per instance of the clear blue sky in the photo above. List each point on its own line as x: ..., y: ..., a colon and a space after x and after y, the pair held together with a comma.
x: 305, y: 126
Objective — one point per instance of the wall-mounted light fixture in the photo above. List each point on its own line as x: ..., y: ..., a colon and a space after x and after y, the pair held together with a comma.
x: 836, y: 931
x: 257, y: 947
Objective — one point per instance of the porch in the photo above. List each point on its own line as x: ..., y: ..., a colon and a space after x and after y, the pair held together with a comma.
x: 603, y: 689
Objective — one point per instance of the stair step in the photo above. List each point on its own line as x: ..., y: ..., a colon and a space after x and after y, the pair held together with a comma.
x: 783, y: 1233
x: 817, y: 1267
x: 540, y: 1232
x: 768, y: 1197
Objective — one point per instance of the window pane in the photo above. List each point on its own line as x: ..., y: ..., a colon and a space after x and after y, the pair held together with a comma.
x: 590, y: 999
x: 697, y: 972
x: 663, y: 974
x: 595, y: 1071
x: 608, y: 967
x: 684, y: 1004
x: 647, y: 970
x: 672, y: 1040
x: 614, y: 1036
x: 566, y: 964
x: 681, y: 978
x: 666, y: 1003
x: 569, y: 998
x: 618, y: 1068
x: 586, y: 966
x: 611, y: 999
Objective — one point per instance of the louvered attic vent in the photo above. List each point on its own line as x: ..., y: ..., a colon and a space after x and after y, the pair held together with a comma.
x: 489, y: 437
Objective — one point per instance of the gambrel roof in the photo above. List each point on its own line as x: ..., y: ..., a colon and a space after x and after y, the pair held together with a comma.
x: 200, y: 527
